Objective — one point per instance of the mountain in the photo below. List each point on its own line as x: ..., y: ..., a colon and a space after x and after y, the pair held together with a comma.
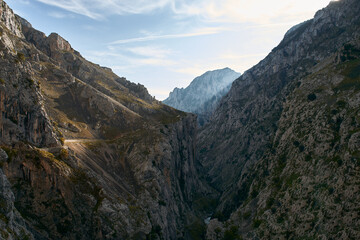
x: 281, y: 148
x: 203, y: 94
x: 87, y: 154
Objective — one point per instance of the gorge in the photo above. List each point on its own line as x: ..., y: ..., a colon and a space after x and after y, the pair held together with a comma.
x: 86, y: 154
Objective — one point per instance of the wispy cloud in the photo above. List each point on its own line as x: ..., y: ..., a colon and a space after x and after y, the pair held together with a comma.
x: 99, y: 9
x: 272, y: 25
x: 76, y: 6
x: 140, y: 56
x: 27, y: 2
x: 200, y: 32
x: 234, y: 57
x: 150, y: 51
x: 60, y: 15
x: 259, y: 11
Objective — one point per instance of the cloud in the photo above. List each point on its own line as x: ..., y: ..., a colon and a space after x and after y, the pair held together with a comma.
x: 199, y: 32
x: 60, y: 15
x: 99, y: 9
x: 257, y: 11
x: 27, y: 2
x: 140, y: 56
x: 150, y: 51
x: 234, y: 57
x: 76, y: 6
x: 272, y: 25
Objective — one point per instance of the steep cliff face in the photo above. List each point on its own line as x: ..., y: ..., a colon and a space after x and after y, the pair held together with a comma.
x: 22, y: 114
x: 137, y: 186
x: 12, y: 225
x: 306, y: 184
x: 276, y: 147
x: 91, y: 155
x: 203, y: 94
x: 9, y: 20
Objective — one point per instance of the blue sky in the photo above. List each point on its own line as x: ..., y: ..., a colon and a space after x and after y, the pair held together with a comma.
x: 164, y: 44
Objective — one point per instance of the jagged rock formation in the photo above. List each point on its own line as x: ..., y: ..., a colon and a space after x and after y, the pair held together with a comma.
x: 203, y: 94
x: 90, y: 155
x: 128, y: 171
x: 281, y: 147
x: 12, y: 225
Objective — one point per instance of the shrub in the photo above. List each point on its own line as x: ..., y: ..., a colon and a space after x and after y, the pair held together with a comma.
x: 21, y: 57
x: 30, y: 81
x: 232, y: 233
x: 311, y: 97
x: 64, y: 154
x: 257, y: 223
x: 162, y: 203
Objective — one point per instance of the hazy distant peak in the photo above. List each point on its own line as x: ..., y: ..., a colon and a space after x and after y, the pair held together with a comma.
x: 203, y: 93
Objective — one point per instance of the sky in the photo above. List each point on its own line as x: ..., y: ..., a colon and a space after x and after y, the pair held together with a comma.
x: 164, y: 44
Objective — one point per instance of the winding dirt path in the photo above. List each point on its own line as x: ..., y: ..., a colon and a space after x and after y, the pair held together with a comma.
x: 82, y: 140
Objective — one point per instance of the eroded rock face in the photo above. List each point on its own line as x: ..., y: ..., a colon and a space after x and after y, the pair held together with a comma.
x: 12, y: 225
x: 309, y: 178
x: 9, y: 19
x: 246, y: 120
x: 22, y: 113
x: 241, y: 149
x: 129, y: 170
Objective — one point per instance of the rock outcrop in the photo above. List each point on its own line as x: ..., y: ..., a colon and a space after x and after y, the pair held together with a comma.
x: 278, y: 145
x: 12, y: 225
x: 91, y: 155
x: 203, y: 94
x: 9, y: 19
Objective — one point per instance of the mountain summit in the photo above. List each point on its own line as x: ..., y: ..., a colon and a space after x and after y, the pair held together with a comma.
x: 203, y: 94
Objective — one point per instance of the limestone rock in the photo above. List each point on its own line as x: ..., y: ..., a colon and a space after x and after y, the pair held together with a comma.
x: 12, y: 225
x: 203, y: 94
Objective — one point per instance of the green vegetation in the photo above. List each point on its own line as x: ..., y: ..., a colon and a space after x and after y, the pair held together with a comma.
x: 351, y: 71
x: 197, y: 230
x: 204, y: 204
x: 11, y: 152
x: 269, y: 202
x: 290, y: 180
x: 162, y: 203
x: 2, y: 81
x: 30, y: 82
x: 336, y: 159
x: 349, y: 53
x: 257, y: 223
x: 311, y: 97
x: 86, y: 184
x: 232, y: 234
x: 64, y: 154
x: 4, y: 218
x: 20, y: 57
x: 155, y: 233
x: 247, y: 215
x: 4, y: 234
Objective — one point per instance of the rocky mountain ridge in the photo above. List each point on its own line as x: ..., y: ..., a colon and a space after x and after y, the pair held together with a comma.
x: 203, y: 94
x: 268, y: 147
x: 86, y: 154
x: 90, y: 155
